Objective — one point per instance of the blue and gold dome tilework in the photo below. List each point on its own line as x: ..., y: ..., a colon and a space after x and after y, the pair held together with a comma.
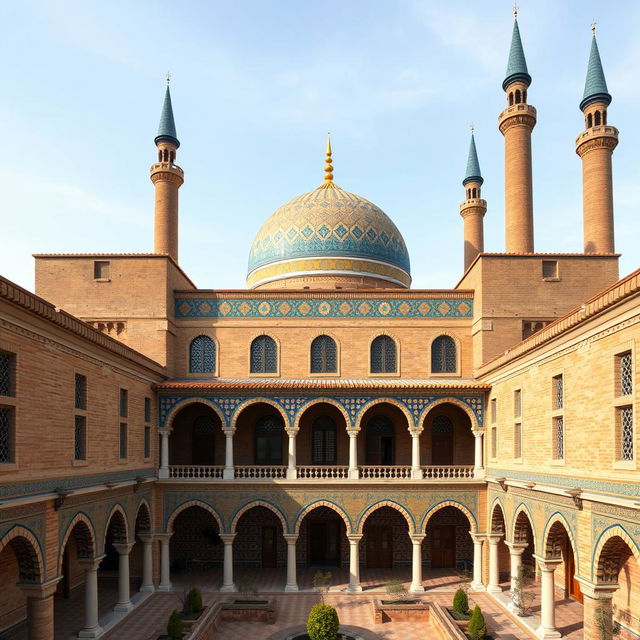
x: 329, y: 231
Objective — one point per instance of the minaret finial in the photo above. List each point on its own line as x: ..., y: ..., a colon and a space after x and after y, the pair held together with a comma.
x: 515, y: 11
x: 328, y: 167
x: 168, y: 77
x: 594, y: 24
x: 472, y: 128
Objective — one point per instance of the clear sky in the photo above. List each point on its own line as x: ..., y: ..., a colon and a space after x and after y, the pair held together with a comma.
x: 256, y: 85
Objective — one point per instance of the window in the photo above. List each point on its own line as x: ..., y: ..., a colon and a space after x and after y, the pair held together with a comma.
x: 101, y: 270
x: 80, y: 448
x: 529, y: 327
x: 123, y: 440
x: 517, y: 403
x: 494, y: 409
x: 558, y: 392
x: 7, y: 373
x: 383, y: 355
x: 147, y: 409
x: 324, y: 355
x: 558, y: 438
x: 443, y: 355
x: 269, y: 440
x: 517, y: 440
x: 202, y: 355
x: 557, y: 421
x: 6, y: 434
x: 494, y: 442
x: 324, y: 441
x: 550, y: 269
x: 624, y: 374
x: 124, y: 403
x: 147, y: 442
x: 624, y: 419
x: 264, y: 355
x: 81, y: 392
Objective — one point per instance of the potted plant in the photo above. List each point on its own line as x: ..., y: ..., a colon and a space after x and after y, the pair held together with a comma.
x: 477, y: 627
x: 323, y: 623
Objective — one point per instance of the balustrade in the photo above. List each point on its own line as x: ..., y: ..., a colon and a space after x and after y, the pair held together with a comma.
x: 261, y: 471
x: 447, y: 472
x: 323, y: 472
x: 394, y: 472
x: 195, y: 471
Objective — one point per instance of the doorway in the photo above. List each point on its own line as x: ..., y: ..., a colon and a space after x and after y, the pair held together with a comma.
x: 379, y: 547
x: 572, y: 586
x: 442, y: 441
x: 269, y: 547
x: 443, y: 547
x: 324, y: 543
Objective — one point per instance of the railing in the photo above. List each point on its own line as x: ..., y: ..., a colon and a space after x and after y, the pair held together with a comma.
x: 195, y: 471
x: 323, y: 472
x: 261, y: 472
x: 447, y: 472
x: 377, y: 472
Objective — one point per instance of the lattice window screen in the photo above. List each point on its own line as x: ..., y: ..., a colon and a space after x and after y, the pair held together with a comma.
x: 264, y: 355
x: 383, y: 355
x: 443, y: 355
x: 324, y: 355
x: 202, y: 355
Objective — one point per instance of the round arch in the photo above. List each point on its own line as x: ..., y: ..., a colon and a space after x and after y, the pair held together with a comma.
x: 322, y: 503
x: 615, y: 531
x: 391, y: 401
x: 311, y: 403
x: 143, y: 511
x: 28, y: 552
x: 258, y: 503
x: 559, y: 519
x: 193, y: 503
x: 455, y: 402
x: 473, y: 525
x: 456, y: 341
x: 117, y: 509
x: 523, y: 509
x: 183, y: 404
x: 247, y: 403
x: 387, y: 503
x: 86, y: 536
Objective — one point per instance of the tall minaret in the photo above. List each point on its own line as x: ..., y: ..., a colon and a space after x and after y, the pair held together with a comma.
x: 167, y: 178
x: 516, y: 123
x: 595, y: 146
x: 473, y: 208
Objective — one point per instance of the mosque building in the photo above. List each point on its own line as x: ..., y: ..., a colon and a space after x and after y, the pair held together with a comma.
x: 329, y: 414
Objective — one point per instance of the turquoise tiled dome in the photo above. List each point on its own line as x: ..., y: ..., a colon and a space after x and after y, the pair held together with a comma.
x: 326, y: 223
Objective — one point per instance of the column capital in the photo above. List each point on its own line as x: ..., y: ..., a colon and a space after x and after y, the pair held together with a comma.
x: 416, y: 538
x: 146, y: 538
x: 227, y: 538
x: 165, y: 432
x: 547, y: 564
x: 494, y: 538
x: 228, y: 432
x: 477, y: 433
x: 291, y: 538
x: 39, y: 590
x: 354, y: 538
x: 123, y: 548
x: 478, y: 537
x: 416, y: 431
x: 516, y: 548
x: 91, y: 564
x: 597, y: 591
x: 163, y: 536
x: 292, y: 432
x: 353, y: 433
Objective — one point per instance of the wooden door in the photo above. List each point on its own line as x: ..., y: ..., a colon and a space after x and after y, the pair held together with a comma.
x: 324, y: 544
x: 269, y: 547
x: 571, y: 584
x: 443, y: 547
x: 379, y: 547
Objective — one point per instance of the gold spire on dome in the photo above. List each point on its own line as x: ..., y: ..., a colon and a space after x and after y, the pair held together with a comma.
x: 328, y: 167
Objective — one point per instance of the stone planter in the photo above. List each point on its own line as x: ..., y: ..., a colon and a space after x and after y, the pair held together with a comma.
x: 388, y: 610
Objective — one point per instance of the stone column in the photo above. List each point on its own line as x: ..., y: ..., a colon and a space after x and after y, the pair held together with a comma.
x: 416, y: 564
x: 478, y: 465
x: 228, y: 472
x: 227, y: 576
x: 597, y: 603
x: 163, y: 472
x: 354, y: 564
x: 476, y: 584
x: 292, y: 581
x: 353, y: 455
x: 40, y: 608
x: 494, y: 571
x: 291, y: 458
x: 91, y: 627
x: 416, y: 470
x: 147, y: 562
x: 547, y: 628
x: 165, y: 561
x: 516, y: 550
x: 124, y: 595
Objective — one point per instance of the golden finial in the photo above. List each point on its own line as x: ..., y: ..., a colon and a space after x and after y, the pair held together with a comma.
x: 328, y: 167
x: 515, y: 10
x: 168, y: 78
x: 594, y: 24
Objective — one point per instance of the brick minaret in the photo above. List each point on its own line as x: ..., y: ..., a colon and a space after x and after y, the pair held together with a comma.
x: 516, y: 123
x: 473, y: 208
x: 167, y: 178
x: 595, y: 146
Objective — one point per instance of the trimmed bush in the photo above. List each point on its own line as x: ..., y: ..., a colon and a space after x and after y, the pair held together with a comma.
x: 460, y: 601
x: 175, y: 626
x: 193, y: 603
x: 323, y: 623
x: 477, y: 627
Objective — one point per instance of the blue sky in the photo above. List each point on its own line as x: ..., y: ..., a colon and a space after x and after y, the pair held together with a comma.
x: 257, y: 84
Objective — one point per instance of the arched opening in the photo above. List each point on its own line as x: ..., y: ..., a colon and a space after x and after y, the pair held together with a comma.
x: 558, y: 545
x: 448, y: 547
x: 385, y: 542
x: 195, y: 548
x: 604, y: 117
x: 108, y: 570
x: 444, y: 356
x: 260, y: 436
x: 475, y: 192
x: 324, y: 355
x: 589, y: 121
x: 322, y: 437
x: 196, y: 437
x: 523, y: 534
x: 384, y: 438
x: 518, y: 96
x: 524, y: 95
x: 259, y: 541
x: 510, y: 98
x: 498, y: 526
x: 383, y: 355
x: 264, y: 355
x: 597, y: 120
x: 136, y: 558
x: 447, y: 438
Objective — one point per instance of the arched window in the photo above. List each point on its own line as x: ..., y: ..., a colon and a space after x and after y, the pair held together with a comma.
x: 383, y: 355
x: 202, y: 440
x: 268, y: 434
x: 589, y: 121
x: 524, y: 95
x: 324, y: 441
x: 264, y: 355
x: 443, y: 355
x: 324, y: 355
x: 597, y: 120
x: 380, y: 441
x: 604, y: 117
x: 202, y: 355
x: 474, y: 192
x: 518, y: 96
x: 511, y: 98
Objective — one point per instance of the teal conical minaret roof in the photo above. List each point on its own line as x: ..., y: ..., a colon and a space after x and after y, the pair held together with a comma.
x: 473, y: 166
x: 167, y: 127
x: 517, y: 65
x: 595, y: 86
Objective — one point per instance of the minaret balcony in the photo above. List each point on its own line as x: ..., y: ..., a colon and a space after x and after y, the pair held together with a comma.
x: 166, y: 166
x: 601, y: 131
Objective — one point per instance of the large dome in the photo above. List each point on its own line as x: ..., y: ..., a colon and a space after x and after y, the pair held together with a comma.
x: 329, y: 234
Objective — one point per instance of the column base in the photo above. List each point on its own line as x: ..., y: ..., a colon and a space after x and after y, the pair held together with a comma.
x: 165, y: 587
x: 147, y: 588
x: 123, y: 606
x: 418, y: 588
x: 416, y: 473
x: 548, y: 633
x: 228, y: 473
x: 292, y: 474
x: 354, y: 474
x: 163, y: 474
x: 354, y: 588
x: 291, y: 588
x: 96, y: 632
x: 494, y: 588
x: 228, y: 588
x: 477, y: 586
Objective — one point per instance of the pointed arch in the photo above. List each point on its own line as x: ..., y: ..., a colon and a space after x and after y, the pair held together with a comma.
x: 120, y: 523
x: 387, y: 400
x: 493, y: 517
x: 261, y: 400
x: 449, y: 400
x: 473, y: 524
x: 168, y: 421
x: 26, y: 547
x: 550, y: 532
x: 311, y: 403
x: 516, y: 532
x: 387, y: 503
x: 193, y: 503
x: 143, y: 512
x: 258, y: 503
x: 322, y: 503
x: 85, y: 537
x: 614, y: 538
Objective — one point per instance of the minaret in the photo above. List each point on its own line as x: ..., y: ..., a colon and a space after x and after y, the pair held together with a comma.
x: 473, y: 208
x: 167, y: 178
x: 595, y: 146
x: 516, y: 123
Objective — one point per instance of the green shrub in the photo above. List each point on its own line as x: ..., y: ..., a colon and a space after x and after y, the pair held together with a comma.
x: 175, y: 626
x: 323, y: 623
x: 477, y: 627
x: 460, y: 601
x: 193, y: 602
